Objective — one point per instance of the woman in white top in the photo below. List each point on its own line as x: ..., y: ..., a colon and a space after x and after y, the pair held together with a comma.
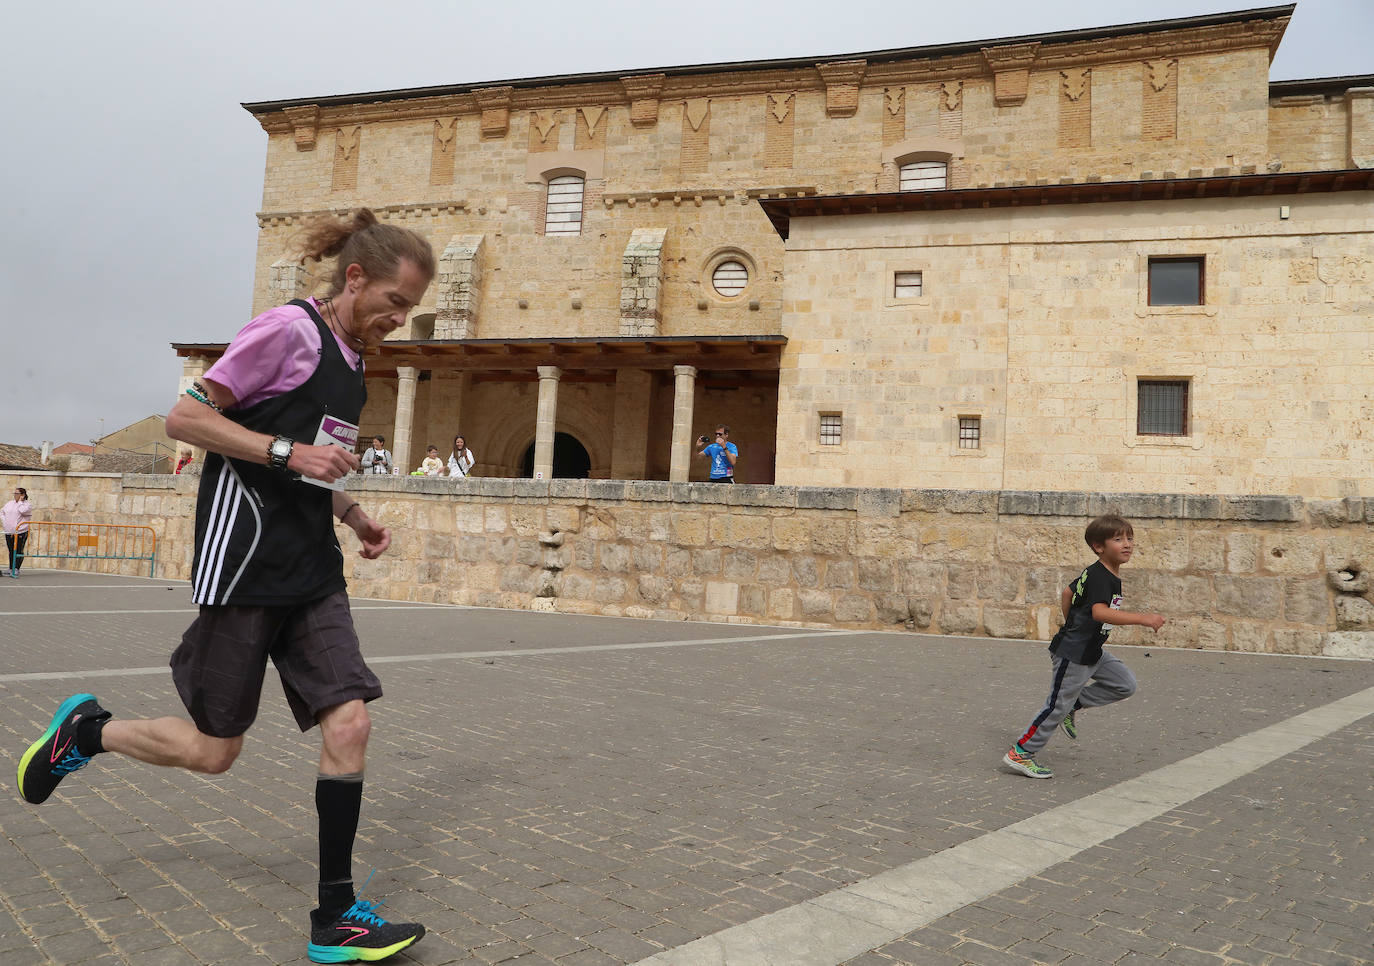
x: 461, y: 459
x: 15, y: 517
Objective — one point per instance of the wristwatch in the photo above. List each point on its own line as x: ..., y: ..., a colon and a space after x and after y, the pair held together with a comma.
x: 279, y: 452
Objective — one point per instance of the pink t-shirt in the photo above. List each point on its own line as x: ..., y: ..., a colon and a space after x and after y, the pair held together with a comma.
x: 273, y: 354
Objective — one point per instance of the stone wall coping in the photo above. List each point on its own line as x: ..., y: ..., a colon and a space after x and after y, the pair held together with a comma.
x: 866, y: 501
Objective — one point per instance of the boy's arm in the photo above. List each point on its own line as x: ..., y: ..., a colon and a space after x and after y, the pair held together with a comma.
x: 1064, y: 600
x: 1121, y: 618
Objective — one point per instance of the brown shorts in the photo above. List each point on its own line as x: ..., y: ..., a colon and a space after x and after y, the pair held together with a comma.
x: 220, y: 664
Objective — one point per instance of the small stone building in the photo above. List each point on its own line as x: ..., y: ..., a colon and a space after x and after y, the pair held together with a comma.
x: 1110, y: 258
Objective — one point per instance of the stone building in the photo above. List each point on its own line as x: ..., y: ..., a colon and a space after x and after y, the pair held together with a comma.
x: 1116, y: 258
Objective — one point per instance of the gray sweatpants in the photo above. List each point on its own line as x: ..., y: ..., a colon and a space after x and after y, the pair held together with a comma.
x: 1111, y: 681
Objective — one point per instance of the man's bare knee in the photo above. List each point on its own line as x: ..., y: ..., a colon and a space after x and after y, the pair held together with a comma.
x: 347, y: 726
x: 216, y: 754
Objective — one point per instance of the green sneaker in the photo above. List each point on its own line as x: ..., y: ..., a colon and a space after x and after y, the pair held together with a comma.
x: 1070, y: 725
x: 1018, y: 760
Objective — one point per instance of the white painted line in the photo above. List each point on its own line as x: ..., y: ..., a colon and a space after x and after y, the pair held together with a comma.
x: 848, y: 922
x: 159, y: 585
x: 425, y: 658
x: 181, y: 610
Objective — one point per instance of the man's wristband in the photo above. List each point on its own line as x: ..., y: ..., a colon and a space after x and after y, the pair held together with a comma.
x: 343, y: 516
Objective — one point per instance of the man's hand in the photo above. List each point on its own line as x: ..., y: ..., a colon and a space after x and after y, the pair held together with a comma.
x: 374, y: 537
x: 328, y: 462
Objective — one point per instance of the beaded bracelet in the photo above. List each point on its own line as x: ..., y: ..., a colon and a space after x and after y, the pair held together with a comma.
x: 344, y: 516
x: 198, y: 393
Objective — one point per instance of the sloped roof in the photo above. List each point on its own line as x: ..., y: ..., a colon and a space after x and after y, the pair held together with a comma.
x: 16, y: 457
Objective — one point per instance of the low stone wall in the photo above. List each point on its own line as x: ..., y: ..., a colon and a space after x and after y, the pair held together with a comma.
x: 1260, y: 573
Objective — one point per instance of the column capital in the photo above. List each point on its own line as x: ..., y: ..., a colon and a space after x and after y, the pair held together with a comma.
x: 407, y: 372
x: 549, y: 372
x: 685, y: 371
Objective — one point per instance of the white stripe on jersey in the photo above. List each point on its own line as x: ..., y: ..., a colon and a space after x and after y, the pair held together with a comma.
x: 257, y: 532
x: 212, y: 538
x: 230, y: 494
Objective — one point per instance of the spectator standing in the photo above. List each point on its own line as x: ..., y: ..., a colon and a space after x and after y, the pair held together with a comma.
x: 183, y: 461
x: 722, y: 454
x: 15, y: 517
x: 376, y: 458
x: 461, y: 459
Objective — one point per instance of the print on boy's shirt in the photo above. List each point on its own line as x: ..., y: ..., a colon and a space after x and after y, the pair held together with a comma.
x: 1114, y: 605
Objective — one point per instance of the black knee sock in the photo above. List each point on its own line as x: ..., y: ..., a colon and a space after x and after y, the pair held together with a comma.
x: 339, y: 801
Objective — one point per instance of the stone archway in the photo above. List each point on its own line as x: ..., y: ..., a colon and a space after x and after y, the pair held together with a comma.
x: 571, y: 461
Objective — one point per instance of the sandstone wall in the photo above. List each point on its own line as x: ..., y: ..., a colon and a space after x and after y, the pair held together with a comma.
x: 1268, y: 574
x: 1038, y: 322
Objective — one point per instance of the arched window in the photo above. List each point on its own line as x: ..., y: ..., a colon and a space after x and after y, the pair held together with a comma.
x: 923, y: 176
x: 563, y: 210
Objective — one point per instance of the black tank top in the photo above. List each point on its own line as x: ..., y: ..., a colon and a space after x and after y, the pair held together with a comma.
x: 263, y: 536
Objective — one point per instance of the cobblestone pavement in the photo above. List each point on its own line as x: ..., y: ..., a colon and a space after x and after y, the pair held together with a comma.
x: 581, y: 791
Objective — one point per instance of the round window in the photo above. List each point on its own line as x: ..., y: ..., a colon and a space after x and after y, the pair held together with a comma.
x: 730, y: 278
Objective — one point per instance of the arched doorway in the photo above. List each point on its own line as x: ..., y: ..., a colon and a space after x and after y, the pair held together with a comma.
x: 570, y: 459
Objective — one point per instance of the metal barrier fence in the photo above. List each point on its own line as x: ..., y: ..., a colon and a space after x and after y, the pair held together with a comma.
x: 92, y: 541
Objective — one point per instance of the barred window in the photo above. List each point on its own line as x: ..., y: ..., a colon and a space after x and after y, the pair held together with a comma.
x: 970, y: 432
x: 1162, y: 407
x: 832, y: 425
x: 730, y: 278
x: 906, y: 285
x: 1176, y: 281
x: 563, y: 210
x: 923, y: 176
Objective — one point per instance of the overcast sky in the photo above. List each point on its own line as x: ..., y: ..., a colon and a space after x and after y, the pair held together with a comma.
x: 132, y: 175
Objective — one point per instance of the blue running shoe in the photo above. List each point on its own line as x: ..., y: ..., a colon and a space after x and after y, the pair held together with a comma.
x: 54, y: 756
x: 360, y: 935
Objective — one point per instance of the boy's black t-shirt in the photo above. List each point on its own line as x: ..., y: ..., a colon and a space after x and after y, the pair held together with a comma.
x: 1081, y: 638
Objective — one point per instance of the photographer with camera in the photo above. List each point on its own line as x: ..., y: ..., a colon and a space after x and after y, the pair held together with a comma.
x: 723, y: 454
x: 376, y: 459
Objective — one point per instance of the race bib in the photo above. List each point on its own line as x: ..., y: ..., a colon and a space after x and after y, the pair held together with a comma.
x: 337, y: 432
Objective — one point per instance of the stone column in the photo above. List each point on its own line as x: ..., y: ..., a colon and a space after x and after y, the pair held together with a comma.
x: 545, y: 421
x: 684, y: 395
x: 191, y: 370
x: 406, y: 377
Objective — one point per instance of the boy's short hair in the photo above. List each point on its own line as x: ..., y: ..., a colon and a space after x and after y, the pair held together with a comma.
x: 1104, y: 528
x: 379, y: 438
x: 431, y: 447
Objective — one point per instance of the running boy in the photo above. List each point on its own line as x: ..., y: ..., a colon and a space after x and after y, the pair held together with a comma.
x: 1076, y: 652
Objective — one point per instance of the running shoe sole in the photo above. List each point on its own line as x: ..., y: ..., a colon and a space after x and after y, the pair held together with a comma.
x: 1030, y: 771
x: 347, y: 954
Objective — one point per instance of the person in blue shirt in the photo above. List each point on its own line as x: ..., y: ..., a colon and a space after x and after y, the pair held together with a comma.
x: 723, y: 454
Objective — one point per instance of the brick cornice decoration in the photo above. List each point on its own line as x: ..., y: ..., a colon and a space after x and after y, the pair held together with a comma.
x: 495, y: 106
x: 420, y: 209
x: 842, y: 79
x: 305, y: 123
x: 643, y: 92
x: 1010, y: 66
x: 699, y: 196
x: 650, y: 88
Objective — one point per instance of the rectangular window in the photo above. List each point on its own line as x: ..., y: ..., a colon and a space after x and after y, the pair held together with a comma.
x: 831, y: 429
x: 923, y: 176
x: 970, y: 432
x: 563, y: 207
x: 1162, y: 407
x: 1176, y: 281
x: 906, y: 285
